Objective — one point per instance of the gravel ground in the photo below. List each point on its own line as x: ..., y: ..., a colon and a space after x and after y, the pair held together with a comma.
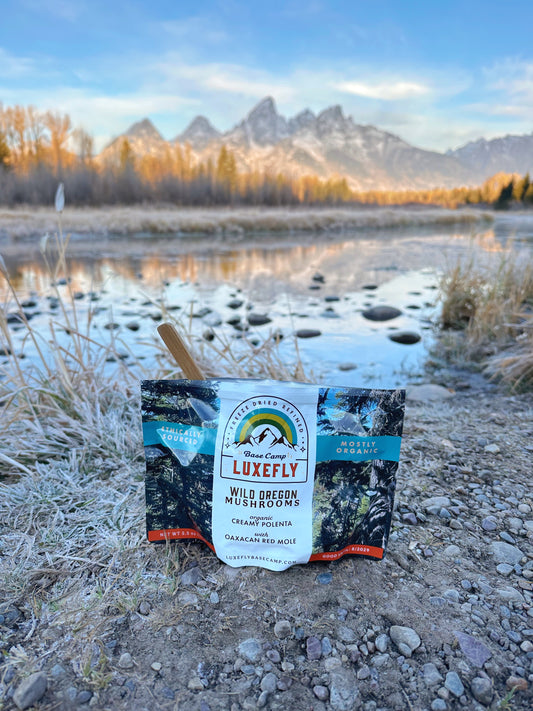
x: 445, y: 621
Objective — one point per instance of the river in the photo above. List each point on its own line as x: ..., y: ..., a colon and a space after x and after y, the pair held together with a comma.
x: 326, y: 283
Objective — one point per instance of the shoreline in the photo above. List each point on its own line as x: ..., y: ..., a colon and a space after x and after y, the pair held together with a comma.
x: 26, y: 222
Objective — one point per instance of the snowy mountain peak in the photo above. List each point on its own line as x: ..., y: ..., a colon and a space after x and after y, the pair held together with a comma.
x: 264, y: 125
x: 303, y: 120
x: 198, y: 133
x: 144, y: 130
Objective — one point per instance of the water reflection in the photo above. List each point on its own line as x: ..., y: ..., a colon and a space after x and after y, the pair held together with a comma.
x: 277, y: 275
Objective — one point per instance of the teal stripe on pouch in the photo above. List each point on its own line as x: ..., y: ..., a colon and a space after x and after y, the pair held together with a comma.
x: 202, y: 440
x: 357, y: 449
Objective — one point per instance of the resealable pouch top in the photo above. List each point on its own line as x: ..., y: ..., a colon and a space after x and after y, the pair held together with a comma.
x: 270, y: 473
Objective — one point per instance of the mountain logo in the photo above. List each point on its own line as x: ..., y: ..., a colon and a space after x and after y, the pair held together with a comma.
x: 266, y: 428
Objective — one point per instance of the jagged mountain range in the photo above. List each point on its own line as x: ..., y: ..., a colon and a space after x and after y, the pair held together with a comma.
x: 331, y: 144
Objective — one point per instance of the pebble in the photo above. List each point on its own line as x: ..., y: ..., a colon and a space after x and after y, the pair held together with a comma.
x: 269, y: 682
x: 504, y: 569
x: 475, y: 651
x: 144, y: 608
x: 481, y: 688
x: 343, y: 692
x: 324, y: 578
x: 214, y: 598
x: 506, y: 553
x: 436, y: 502
x: 382, y: 642
x: 125, y: 661
x: 454, y: 684
x: 438, y: 705
x: 282, y: 629
x: 274, y: 656
x: 30, y: 690
x: 348, y: 365
x: 405, y: 638
x: 321, y: 692
x: 84, y: 696
x: 492, y: 449
x: 191, y: 576
x: 432, y: 676
x: 187, y: 598
x: 346, y: 634
x: 156, y: 666
x: 250, y: 649
x: 313, y: 648
x: 517, y: 683
x: 489, y: 523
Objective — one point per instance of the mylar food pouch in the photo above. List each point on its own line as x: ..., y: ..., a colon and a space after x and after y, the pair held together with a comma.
x: 271, y: 474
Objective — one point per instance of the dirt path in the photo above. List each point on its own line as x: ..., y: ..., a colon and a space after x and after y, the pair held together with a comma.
x: 444, y: 622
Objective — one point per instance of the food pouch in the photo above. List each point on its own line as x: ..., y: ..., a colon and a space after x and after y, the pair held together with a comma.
x: 268, y: 473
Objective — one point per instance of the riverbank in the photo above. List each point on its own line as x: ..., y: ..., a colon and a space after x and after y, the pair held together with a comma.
x: 106, y: 620
x: 26, y: 222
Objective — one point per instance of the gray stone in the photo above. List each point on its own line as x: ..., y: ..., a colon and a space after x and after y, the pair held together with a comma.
x: 492, y: 449
x: 282, y: 629
x: 269, y: 683
x: 263, y: 699
x: 250, y: 649
x: 195, y: 684
x: 144, y: 608
x: 346, y: 634
x: 438, y: 705
x: 506, y: 553
x: 504, y: 569
x: 191, y: 576
x: 125, y: 661
x: 452, y: 595
x: 308, y: 333
x: 343, y: 692
x: 214, y: 598
x: 405, y: 638
x: 481, y: 689
x: 432, y: 675
x: 347, y: 366
x: 475, y: 651
x: 436, y: 502
x: 321, y: 692
x: 326, y: 646
x: 332, y: 663
x: 30, y: 690
x: 489, y: 523
x: 452, y: 551
x: 381, y: 313
x: 187, y: 598
x: 382, y: 642
x: 258, y: 319
x: 84, y: 696
x: 454, y: 684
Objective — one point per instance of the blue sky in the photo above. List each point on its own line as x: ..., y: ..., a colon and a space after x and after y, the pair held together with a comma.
x: 438, y: 74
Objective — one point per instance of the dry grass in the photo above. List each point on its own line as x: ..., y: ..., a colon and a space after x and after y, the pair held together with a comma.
x: 492, y: 306
x: 231, y: 222
x: 72, y: 463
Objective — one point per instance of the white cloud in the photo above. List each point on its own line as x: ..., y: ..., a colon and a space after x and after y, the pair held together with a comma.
x: 387, y: 91
x: 12, y: 67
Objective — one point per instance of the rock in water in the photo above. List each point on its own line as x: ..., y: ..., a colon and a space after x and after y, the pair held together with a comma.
x: 308, y: 333
x: 408, y: 338
x: 381, y: 313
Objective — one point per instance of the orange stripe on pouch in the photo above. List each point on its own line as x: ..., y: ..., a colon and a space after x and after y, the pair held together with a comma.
x: 356, y: 549
x: 173, y: 534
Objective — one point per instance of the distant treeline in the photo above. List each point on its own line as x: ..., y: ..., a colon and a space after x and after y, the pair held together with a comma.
x: 39, y: 149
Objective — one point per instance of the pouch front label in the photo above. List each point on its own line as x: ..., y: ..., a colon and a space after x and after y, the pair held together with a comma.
x: 263, y: 479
